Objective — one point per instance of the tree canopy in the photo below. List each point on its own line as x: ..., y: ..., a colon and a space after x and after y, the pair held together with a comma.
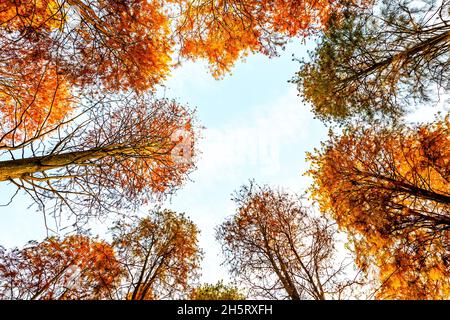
x: 161, y: 256
x: 76, y: 267
x: 389, y: 190
x: 218, y: 291
x: 123, y: 154
x: 156, y: 257
x: 223, y: 31
x: 376, y: 63
x: 277, y: 248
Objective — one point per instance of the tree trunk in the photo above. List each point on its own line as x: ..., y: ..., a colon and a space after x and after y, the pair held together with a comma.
x: 14, y: 169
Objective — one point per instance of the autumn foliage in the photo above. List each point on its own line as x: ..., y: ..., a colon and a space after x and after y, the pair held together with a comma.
x: 83, y: 132
x: 53, y: 49
x: 66, y: 61
x: 129, y: 45
x: 156, y: 258
x: 155, y: 148
x: 218, y: 291
x: 161, y: 256
x: 122, y: 44
x: 389, y: 189
x: 75, y: 267
x: 223, y: 31
x: 276, y: 247
x: 34, y: 102
x: 77, y: 77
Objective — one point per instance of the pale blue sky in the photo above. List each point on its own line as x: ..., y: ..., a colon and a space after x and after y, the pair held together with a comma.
x: 256, y: 127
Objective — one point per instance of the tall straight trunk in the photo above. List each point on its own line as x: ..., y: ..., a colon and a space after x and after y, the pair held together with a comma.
x: 14, y: 169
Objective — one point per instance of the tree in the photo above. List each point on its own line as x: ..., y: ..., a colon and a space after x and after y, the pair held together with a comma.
x: 388, y: 188
x: 376, y: 63
x: 120, y: 44
x: 78, y: 126
x: 160, y: 254
x: 218, y: 291
x: 223, y: 31
x: 121, y: 154
x: 75, y: 267
x: 52, y: 51
x: 275, y: 246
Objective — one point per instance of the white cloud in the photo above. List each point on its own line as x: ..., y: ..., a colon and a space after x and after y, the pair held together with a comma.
x: 254, y: 143
x: 427, y: 112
